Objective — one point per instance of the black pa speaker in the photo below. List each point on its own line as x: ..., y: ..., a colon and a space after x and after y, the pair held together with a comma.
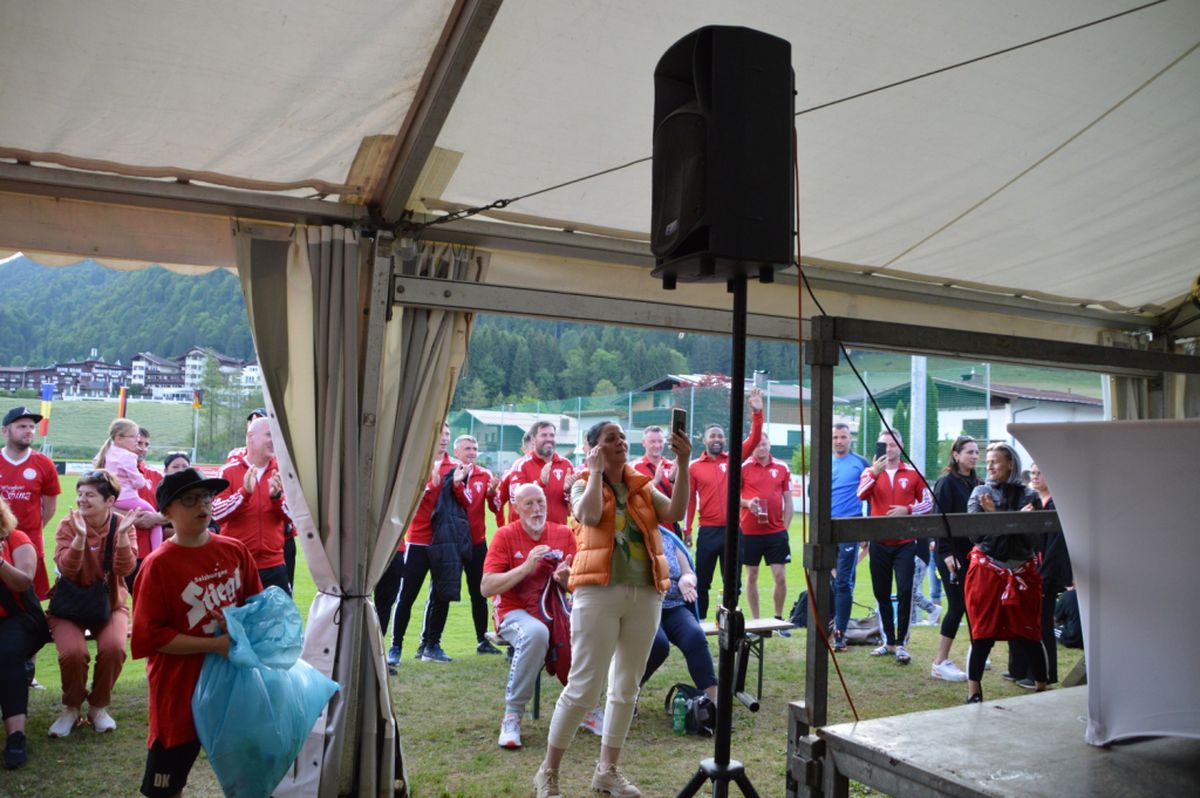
x: 724, y: 108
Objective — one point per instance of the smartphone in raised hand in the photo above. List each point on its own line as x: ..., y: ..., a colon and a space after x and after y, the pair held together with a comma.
x: 679, y: 420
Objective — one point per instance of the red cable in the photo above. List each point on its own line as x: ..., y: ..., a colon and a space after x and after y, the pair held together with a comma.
x: 818, y: 623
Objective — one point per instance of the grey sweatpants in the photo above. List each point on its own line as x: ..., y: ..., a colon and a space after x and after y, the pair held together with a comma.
x: 530, y: 639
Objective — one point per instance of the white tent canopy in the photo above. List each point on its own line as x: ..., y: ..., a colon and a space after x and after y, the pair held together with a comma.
x: 1052, y: 191
x: 1066, y: 170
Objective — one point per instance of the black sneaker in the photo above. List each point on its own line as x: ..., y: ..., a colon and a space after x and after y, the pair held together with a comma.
x: 975, y: 699
x: 485, y: 647
x: 420, y: 652
x: 1028, y: 684
x: 393, y: 656
x: 14, y: 751
x: 839, y: 642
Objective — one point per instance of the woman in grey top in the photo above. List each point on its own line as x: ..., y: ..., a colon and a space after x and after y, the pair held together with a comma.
x: 1003, y: 589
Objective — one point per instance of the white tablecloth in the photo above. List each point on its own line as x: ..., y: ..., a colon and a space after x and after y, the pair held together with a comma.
x: 1128, y: 495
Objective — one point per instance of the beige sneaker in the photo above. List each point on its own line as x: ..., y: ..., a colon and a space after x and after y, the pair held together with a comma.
x: 545, y: 784
x: 614, y: 782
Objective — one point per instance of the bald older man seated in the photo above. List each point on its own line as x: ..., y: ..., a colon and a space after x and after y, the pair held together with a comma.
x: 522, y: 556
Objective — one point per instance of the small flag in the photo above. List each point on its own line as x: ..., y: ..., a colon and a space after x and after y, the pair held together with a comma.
x: 122, y: 401
x: 47, y: 401
x: 197, y: 399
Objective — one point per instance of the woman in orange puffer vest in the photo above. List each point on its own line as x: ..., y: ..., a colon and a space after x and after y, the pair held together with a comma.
x: 618, y: 577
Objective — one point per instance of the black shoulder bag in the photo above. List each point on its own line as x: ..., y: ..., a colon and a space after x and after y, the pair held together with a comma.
x: 90, y: 606
x: 32, y: 619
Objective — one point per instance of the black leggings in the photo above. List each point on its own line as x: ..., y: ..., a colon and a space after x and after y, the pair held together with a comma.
x: 1032, y: 650
x: 952, y: 589
x: 387, y: 589
x: 14, y: 683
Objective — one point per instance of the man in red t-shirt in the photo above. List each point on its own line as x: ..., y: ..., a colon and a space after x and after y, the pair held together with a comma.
x: 29, y: 483
x: 766, y: 514
x: 179, y: 598
x: 892, y: 487
x: 253, y: 508
x: 653, y: 464
x: 545, y: 468
x: 708, y: 492
x: 505, y: 484
x: 509, y: 575
x: 472, y: 483
x: 416, y: 565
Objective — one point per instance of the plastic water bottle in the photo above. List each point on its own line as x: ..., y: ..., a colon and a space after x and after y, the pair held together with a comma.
x: 679, y: 714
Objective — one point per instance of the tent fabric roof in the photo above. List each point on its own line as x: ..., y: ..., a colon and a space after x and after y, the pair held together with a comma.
x: 1068, y: 169
x: 1022, y: 172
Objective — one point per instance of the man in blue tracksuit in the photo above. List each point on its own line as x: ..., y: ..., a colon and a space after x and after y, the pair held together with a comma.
x: 844, y: 503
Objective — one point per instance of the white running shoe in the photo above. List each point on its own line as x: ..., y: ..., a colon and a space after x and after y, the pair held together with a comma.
x: 65, y: 723
x: 947, y: 671
x: 931, y: 618
x: 510, y: 731
x: 102, y: 721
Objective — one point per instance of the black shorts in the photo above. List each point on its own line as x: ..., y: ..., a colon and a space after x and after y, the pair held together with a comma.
x: 167, y: 769
x: 773, y: 548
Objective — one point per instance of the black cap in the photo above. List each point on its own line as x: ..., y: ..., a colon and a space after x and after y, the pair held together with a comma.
x: 20, y: 412
x: 258, y: 412
x: 173, y: 485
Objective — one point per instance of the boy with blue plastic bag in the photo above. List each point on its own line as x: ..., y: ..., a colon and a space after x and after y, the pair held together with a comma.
x: 179, y: 598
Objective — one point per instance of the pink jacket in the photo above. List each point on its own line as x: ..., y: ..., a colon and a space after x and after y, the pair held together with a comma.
x: 123, y: 463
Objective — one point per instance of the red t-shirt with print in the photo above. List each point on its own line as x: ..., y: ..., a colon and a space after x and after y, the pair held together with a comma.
x: 23, y: 484
x: 176, y: 592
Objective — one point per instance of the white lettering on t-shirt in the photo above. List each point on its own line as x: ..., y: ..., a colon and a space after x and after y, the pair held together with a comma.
x: 203, y: 600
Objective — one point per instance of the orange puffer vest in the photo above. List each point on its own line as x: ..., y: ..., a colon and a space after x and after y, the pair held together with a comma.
x: 592, y: 564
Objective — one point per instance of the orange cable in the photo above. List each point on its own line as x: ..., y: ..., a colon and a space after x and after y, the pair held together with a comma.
x: 812, y: 607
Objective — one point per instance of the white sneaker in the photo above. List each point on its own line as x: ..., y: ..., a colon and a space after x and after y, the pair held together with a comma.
x: 932, y: 618
x: 947, y: 671
x: 593, y: 721
x: 65, y: 723
x: 510, y: 731
x: 102, y: 721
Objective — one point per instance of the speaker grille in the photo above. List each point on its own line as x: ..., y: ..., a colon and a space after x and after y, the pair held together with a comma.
x: 679, y: 180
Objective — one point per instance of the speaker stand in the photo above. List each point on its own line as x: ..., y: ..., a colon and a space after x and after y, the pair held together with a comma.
x: 720, y: 769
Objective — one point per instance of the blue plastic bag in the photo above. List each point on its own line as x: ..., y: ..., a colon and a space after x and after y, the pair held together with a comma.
x: 254, y: 710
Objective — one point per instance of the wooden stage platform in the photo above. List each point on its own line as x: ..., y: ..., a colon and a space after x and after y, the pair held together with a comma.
x: 1029, y: 745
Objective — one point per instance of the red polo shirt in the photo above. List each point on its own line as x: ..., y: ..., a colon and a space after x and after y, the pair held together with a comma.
x: 528, y: 470
x: 771, y: 483
x: 664, y: 485
x: 708, y: 482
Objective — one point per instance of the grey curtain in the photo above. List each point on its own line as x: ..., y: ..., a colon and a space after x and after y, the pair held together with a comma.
x: 356, y: 400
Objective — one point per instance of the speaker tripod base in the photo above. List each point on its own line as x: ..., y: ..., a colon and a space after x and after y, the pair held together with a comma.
x: 720, y: 776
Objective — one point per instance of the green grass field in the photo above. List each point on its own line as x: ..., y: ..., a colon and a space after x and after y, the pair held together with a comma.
x: 449, y: 714
x: 84, y: 424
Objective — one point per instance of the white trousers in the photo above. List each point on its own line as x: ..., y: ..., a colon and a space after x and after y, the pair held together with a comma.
x: 612, y: 629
